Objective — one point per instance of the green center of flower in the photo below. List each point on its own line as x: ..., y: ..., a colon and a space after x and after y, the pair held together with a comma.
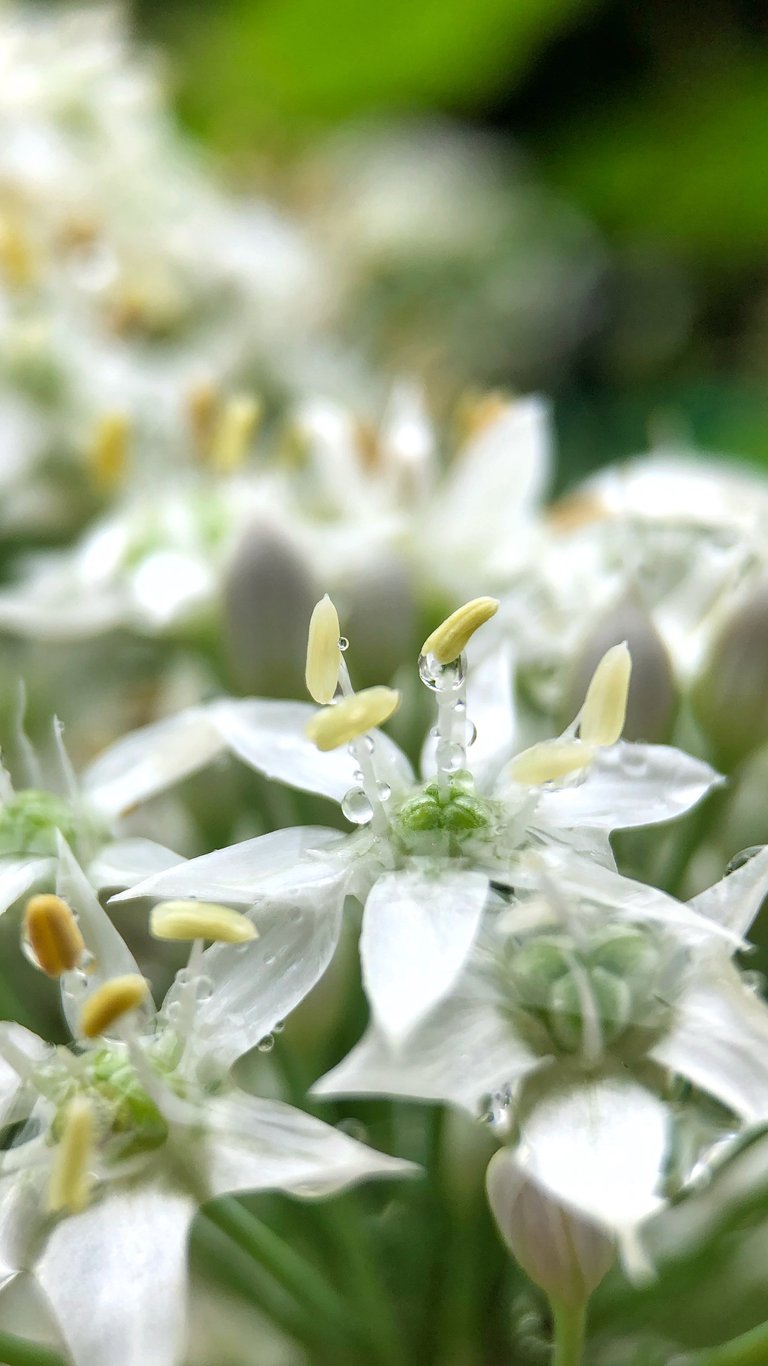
x: 29, y: 822
x: 128, y: 1120
x: 454, y: 810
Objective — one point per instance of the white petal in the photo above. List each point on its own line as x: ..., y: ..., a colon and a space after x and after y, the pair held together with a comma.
x: 599, y: 1146
x: 255, y: 985
x: 270, y: 736
x: 418, y: 928
x: 462, y: 1053
x: 116, y: 1276
x: 126, y: 862
x: 15, y: 1102
x: 735, y: 900
x: 269, y: 865
x: 255, y: 1144
x: 719, y: 1041
x: 628, y: 785
x: 151, y: 759
x: 20, y: 875
x: 20, y: 1222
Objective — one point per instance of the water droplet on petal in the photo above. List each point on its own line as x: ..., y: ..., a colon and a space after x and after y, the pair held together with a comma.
x: 343, y: 643
x: 384, y: 790
x: 356, y: 806
x: 471, y: 734
x: 266, y: 1044
x: 278, y: 1027
x: 743, y: 856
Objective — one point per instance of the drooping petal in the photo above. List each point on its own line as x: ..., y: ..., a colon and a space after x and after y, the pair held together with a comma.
x: 735, y: 900
x: 123, y: 863
x: 418, y: 928
x: 268, y: 866
x: 719, y: 1041
x: 254, y: 1144
x: 271, y: 737
x: 628, y: 785
x: 20, y: 875
x: 116, y: 1276
x: 151, y: 759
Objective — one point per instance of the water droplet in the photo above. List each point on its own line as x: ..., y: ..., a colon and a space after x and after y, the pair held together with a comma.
x: 356, y: 806
x: 634, y: 762
x: 29, y: 952
x: 266, y: 1044
x: 450, y: 757
x: 369, y: 743
x: 471, y: 734
x: 441, y: 677
x: 204, y: 988
x: 459, y: 706
x: 182, y: 977
x: 384, y: 791
x: 278, y: 1027
x: 270, y: 960
x: 743, y: 856
x: 343, y: 643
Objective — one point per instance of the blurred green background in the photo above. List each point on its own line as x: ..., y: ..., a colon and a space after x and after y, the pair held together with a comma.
x: 652, y: 120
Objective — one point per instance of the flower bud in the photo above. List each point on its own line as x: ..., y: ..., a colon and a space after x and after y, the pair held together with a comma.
x: 380, y: 617
x: 653, y: 697
x: 730, y: 697
x: 268, y: 599
x: 563, y: 1252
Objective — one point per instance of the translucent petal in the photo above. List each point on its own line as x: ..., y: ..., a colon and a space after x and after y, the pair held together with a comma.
x: 151, y: 759
x: 418, y: 928
x: 116, y: 1276
x: 126, y: 862
x: 20, y: 875
x: 628, y: 785
x: 15, y: 1101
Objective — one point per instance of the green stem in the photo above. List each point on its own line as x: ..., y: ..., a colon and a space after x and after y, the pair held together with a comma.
x: 569, y: 1323
x: 18, y: 1352
x: 749, y: 1350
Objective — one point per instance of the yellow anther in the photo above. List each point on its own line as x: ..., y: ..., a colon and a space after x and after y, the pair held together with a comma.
x: 605, y: 705
x: 323, y: 654
x: 53, y: 934
x: 352, y: 717
x: 70, y: 1183
x: 202, y: 406
x: 550, y: 760
x: 450, y: 638
x: 107, y: 449
x: 233, y: 431
x: 110, y: 1002
x: 17, y: 261
x: 189, y: 920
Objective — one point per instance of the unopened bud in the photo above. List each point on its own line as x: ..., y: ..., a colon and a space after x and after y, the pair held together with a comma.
x: 69, y: 1186
x: 233, y: 431
x: 352, y: 717
x: 550, y: 760
x: 187, y: 920
x: 730, y: 696
x: 605, y: 705
x: 269, y: 593
x: 107, y: 450
x: 451, y: 637
x: 53, y: 934
x: 564, y: 1253
x: 110, y: 1002
x: 653, y: 693
x: 323, y: 654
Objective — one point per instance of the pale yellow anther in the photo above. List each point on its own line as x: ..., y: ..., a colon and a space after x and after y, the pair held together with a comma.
x: 53, y: 934
x: 233, y: 431
x: 107, y: 449
x: 352, y: 717
x: 202, y: 406
x: 188, y: 920
x: 550, y: 760
x: 17, y: 259
x: 323, y: 653
x: 451, y: 637
x: 70, y: 1183
x: 605, y: 705
x: 110, y: 1002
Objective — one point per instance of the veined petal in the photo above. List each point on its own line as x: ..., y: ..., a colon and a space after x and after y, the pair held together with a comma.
x: 719, y: 1041
x: 268, y: 866
x: 270, y: 736
x: 418, y: 928
x: 254, y: 1144
x: 20, y: 875
x: 599, y: 1146
x: 735, y: 900
x: 151, y: 759
x: 126, y: 862
x: 116, y: 1276
x: 628, y: 785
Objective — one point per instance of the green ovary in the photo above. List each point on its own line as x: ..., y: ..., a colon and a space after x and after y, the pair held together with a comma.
x: 129, y: 1120
x: 29, y: 822
x: 458, y: 810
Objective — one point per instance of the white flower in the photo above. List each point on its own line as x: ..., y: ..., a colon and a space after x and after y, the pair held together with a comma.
x: 427, y: 853
x: 585, y: 993
x: 131, y: 1129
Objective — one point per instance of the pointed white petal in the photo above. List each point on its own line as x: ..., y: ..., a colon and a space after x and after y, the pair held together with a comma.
x: 20, y: 875
x: 151, y: 759
x: 255, y: 985
x: 270, y: 736
x: 254, y: 1144
x: 126, y: 862
x: 418, y: 928
x: 462, y: 1053
x: 116, y: 1276
x: 20, y: 1222
x: 719, y: 1041
x: 267, y: 866
x: 735, y: 900
x: 15, y: 1100
x: 628, y: 785
x: 600, y: 1147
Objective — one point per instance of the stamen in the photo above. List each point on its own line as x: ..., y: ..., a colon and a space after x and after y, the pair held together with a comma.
x: 352, y: 717
x: 232, y: 434
x: 70, y: 1183
x: 17, y: 261
x: 53, y: 934
x: 111, y: 1001
x: 190, y: 920
x: 448, y: 641
x: 202, y: 404
x: 323, y: 653
x: 107, y: 450
x: 551, y: 759
x: 605, y: 705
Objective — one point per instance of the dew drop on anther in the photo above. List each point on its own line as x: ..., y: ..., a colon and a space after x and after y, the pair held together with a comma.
x: 441, y: 677
x: 356, y: 806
